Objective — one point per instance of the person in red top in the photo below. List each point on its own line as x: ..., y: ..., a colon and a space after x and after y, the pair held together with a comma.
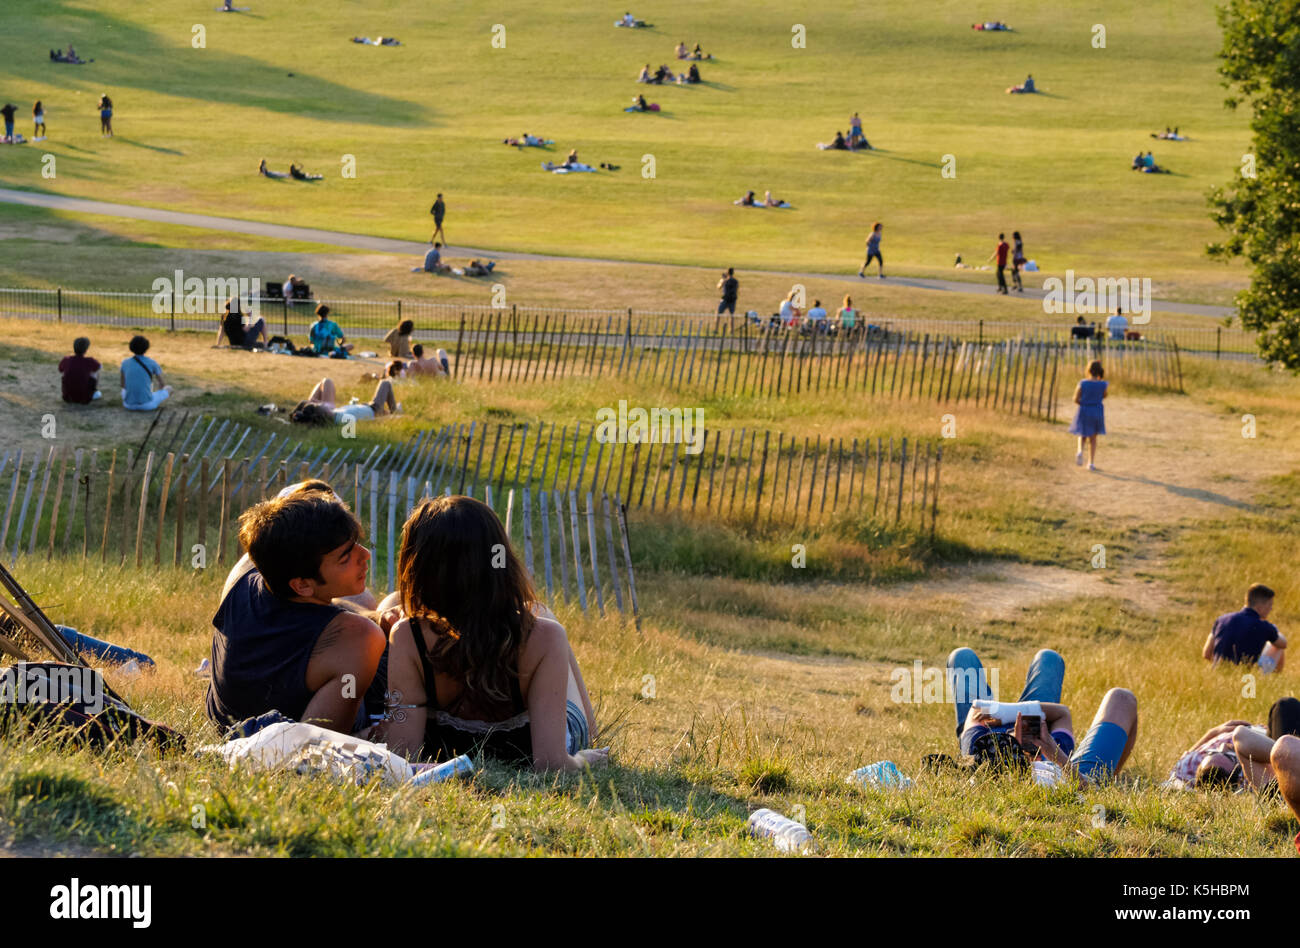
x: 1001, y: 252
x: 80, y: 374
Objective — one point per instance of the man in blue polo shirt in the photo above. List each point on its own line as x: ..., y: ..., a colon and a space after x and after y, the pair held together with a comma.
x: 1244, y: 637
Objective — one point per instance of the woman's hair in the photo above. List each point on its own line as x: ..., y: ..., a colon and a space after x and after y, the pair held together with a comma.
x: 311, y: 413
x: 405, y: 327
x: 876, y: 226
x: 457, y: 571
x: 139, y: 345
x: 1095, y: 369
x: 848, y: 302
x: 395, y: 368
x: 1216, y: 771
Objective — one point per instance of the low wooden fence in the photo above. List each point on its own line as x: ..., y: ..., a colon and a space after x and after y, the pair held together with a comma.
x: 183, y: 512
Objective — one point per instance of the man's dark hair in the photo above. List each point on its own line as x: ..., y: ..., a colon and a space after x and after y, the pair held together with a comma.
x: 80, y: 345
x: 1002, y: 236
x: 418, y: 350
x: 138, y: 345
x: 1258, y: 594
x: 731, y: 271
x: 322, y: 311
x: 287, y: 537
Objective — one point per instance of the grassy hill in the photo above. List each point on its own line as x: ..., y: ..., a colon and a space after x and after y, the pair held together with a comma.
x: 280, y: 83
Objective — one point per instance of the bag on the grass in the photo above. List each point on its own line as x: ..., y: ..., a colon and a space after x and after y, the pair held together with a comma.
x: 73, y: 702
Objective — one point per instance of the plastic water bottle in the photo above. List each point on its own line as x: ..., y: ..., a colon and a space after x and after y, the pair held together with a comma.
x: 787, y: 835
x: 456, y: 767
x: 883, y: 773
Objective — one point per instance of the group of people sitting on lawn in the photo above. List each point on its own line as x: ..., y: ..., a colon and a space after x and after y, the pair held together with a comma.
x: 696, y: 53
x: 855, y: 141
x: 294, y: 172
x: 664, y: 74
x: 142, y: 384
x: 1147, y: 163
x: 70, y: 56
x: 790, y: 316
x: 433, y: 264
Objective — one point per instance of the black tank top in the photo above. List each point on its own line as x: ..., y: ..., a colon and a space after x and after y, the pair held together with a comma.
x: 260, y: 652
x: 447, y: 736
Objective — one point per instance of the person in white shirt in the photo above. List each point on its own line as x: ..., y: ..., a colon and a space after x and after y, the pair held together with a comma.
x: 1117, y: 325
x: 789, y: 312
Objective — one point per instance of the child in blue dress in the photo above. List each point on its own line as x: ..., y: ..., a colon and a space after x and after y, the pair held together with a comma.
x: 1090, y: 416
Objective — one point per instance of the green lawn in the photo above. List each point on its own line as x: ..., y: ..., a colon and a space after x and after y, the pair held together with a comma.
x: 193, y: 123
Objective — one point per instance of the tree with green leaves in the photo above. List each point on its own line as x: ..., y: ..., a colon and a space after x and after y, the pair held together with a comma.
x: 1260, y: 207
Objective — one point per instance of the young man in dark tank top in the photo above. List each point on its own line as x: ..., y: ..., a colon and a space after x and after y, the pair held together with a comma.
x: 281, y: 643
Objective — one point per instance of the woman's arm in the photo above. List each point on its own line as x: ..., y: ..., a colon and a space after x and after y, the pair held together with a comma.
x: 1254, y: 752
x: 547, y: 652
x: 403, y: 727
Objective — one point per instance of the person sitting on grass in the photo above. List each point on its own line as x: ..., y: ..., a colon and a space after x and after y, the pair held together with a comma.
x: 698, y: 53
x: 789, y: 312
x: 747, y: 201
x: 1026, y: 89
x: 693, y: 74
x: 1284, y: 759
x: 139, y: 376
x: 471, y: 668
x: 241, y: 335
x: 847, y: 315
x: 1081, y: 330
x: 399, y: 340
x: 639, y: 104
x: 1049, y: 741
x: 326, y: 336
x: 282, y: 642
x: 299, y: 175
x: 645, y: 75
x: 435, y: 367
x: 682, y: 51
x: 80, y: 374
x: 838, y: 144
x: 769, y: 201
x: 433, y: 261
x: 293, y: 285
x: 1245, y: 637
x: 631, y: 22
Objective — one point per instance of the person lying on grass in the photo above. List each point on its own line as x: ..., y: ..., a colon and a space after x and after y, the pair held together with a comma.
x: 320, y: 406
x: 528, y: 141
x: 435, y: 367
x: 266, y: 172
x: 1042, y: 728
x: 241, y: 334
x: 471, y: 667
x: 1244, y: 637
x: 299, y: 175
x: 769, y: 201
x: 281, y: 640
x: 1236, y: 753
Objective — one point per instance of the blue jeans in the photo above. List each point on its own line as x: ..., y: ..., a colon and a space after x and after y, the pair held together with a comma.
x: 578, y: 735
x: 1043, y: 681
x: 107, y: 651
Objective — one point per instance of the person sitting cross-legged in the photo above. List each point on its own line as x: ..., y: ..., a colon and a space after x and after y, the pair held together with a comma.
x: 1245, y: 637
x: 326, y: 336
x: 143, y: 386
x: 80, y: 374
x: 281, y: 642
x: 240, y: 334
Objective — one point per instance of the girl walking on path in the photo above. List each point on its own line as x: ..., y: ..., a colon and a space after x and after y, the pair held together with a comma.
x: 1017, y: 260
x: 873, y: 250
x: 1090, y: 416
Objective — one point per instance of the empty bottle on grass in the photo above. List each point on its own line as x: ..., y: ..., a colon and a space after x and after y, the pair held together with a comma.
x: 883, y: 773
x: 456, y: 767
x: 787, y: 835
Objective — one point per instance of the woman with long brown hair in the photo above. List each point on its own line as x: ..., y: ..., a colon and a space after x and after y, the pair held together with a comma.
x: 471, y: 667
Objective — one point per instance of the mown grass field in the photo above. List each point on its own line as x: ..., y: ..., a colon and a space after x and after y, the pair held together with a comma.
x: 192, y: 124
x: 770, y: 683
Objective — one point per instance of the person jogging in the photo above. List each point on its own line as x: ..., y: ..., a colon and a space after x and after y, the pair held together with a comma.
x: 439, y: 211
x: 873, y: 251
x: 1000, y: 252
x: 729, y: 287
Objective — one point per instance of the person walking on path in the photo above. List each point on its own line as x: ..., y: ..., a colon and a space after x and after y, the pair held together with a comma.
x: 873, y: 251
x: 729, y: 287
x: 1000, y: 252
x: 1090, y: 416
x: 1017, y: 260
x: 439, y: 211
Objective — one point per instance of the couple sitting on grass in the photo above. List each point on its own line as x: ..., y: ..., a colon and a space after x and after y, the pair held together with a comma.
x: 462, y: 658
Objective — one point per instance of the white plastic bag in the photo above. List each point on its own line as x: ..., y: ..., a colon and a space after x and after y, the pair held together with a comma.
x: 306, y: 748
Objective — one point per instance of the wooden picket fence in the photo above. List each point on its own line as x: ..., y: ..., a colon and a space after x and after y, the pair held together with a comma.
x: 183, y: 512
x: 743, y: 476
x: 748, y: 360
